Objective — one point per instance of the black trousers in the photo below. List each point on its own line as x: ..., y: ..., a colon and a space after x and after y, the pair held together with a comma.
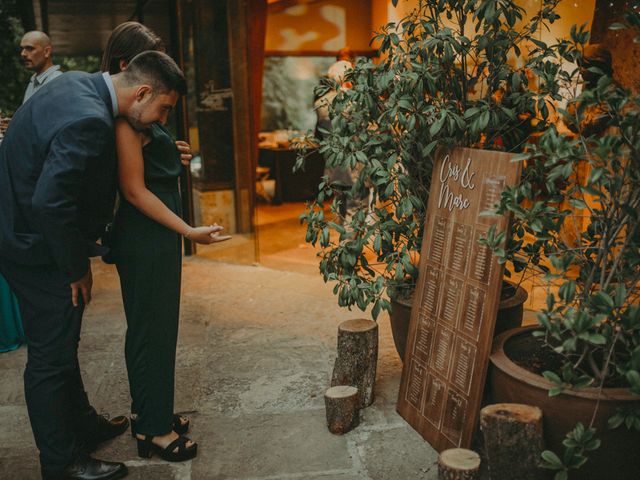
x: 59, y: 410
x: 150, y: 283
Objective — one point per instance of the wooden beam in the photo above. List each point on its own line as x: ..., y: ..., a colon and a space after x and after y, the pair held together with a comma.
x: 138, y: 14
x: 247, y: 24
x: 44, y: 15
x: 182, y: 119
x: 27, y: 15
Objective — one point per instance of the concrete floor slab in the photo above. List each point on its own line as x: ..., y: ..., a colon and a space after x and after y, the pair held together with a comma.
x: 255, y: 353
x: 18, y: 464
x: 13, y: 434
x: 397, y: 453
x: 147, y: 472
x: 272, y: 445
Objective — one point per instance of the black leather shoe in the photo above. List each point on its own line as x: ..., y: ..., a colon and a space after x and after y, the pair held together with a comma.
x: 87, y: 468
x: 106, y: 429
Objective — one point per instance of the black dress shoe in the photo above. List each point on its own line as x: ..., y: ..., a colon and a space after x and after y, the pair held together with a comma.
x: 105, y: 429
x: 87, y: 468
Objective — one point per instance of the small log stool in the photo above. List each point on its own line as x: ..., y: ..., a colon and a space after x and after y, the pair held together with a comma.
x: 513, y: 441
x: 357, y: 357
x: 459, y: 464
x: 343, y: 409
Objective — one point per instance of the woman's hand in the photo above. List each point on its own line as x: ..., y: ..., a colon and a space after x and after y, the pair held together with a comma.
x: 207, y: 235
x: 185, y: 152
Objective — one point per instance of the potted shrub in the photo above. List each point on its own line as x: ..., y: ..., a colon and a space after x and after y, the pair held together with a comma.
x: 583, y: 365
x: 452, y: 73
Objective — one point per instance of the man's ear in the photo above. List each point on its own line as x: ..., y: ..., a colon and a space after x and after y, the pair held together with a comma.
x: 143, y: 91
x: 47, y: 51
x: 123, y: 65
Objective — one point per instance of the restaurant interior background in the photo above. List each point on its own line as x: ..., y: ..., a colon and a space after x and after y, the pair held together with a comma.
x: 251, y: 67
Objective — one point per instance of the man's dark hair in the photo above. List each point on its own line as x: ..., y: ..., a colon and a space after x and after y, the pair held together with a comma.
x: 156, y: 69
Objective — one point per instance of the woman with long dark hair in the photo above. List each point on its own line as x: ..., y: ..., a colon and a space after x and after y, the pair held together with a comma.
x: 146, y: 247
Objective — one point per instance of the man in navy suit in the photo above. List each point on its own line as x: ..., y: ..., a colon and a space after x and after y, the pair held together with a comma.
x: 57, y: 189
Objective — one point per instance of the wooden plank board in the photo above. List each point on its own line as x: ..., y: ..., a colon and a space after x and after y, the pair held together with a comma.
x: 457, y: 298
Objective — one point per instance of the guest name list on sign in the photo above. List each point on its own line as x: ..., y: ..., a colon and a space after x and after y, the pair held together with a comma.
x: 456, y: 302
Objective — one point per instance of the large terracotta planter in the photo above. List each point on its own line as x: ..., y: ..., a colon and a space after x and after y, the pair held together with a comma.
x: 511, y: 308
x: 618, y: 457
x: 509, y: 314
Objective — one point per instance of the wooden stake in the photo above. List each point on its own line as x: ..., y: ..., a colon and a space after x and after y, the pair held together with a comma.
x: 357, y: 357
x: 342, y: 408
x: 459, y: 464
x: 513, y: 441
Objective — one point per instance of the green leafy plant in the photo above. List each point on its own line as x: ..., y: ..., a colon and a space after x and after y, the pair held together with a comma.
x: 578, y: 443
x: 452, y: 73
x: 576, y: 222
x: 83, y: 63
x: 13, y: 76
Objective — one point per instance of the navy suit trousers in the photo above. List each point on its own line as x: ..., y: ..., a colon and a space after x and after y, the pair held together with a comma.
x: 59, y: 410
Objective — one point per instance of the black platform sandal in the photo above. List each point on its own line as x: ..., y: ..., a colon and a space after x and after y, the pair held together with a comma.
x: 146, y: 448
x: 180, y: 425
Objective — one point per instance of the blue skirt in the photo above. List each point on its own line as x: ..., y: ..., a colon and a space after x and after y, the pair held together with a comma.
x: 11, y: 332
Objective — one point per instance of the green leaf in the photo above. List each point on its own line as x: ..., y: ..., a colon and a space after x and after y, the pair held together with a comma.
x: 426, y: 151
x: 597, y: 339
x: 595, y: 175
x: 377, y: 243
x: 484, y: 120
x: 577, y: 203
x: 552, y: 461
x: 603, y: 299
x: 621, y: 295
x: 552, y: 377
x: 615, y: 421
x: 538, y: 43
x: 361, y: 156
x: 521, y: 156
x: 437, y: 125
x: 536, y: 226
x: 634, y: 378
x: 376, y: 310
x: 555, y: 391
x: 471, y: 112
x: 567, y: 291
x: 562, y: 475
x: 592, y: 445
x: 324, y: 239
x: 617, y: 26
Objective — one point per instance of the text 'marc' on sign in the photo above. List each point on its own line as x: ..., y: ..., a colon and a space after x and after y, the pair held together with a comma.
x: 456, y: 302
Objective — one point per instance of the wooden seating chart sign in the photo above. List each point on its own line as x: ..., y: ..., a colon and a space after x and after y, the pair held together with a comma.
x: 456, y: 302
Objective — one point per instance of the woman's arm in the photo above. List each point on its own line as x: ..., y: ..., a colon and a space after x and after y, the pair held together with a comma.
x: 134, y: 190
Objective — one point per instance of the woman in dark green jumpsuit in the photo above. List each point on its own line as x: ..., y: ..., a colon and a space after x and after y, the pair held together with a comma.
x: 146, y: 247
x: 149, y: 260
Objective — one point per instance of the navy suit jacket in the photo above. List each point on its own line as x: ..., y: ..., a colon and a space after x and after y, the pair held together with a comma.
x: 58, y: 175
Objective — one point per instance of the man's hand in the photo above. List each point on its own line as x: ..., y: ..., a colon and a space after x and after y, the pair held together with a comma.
x: 185, y: 152
x: 83, y: 286
x: 207, y: 235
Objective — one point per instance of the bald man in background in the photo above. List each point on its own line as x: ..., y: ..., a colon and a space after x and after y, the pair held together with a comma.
x: 36, y: 51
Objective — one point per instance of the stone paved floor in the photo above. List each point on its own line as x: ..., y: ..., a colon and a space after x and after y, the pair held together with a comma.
x: 256, y: 349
